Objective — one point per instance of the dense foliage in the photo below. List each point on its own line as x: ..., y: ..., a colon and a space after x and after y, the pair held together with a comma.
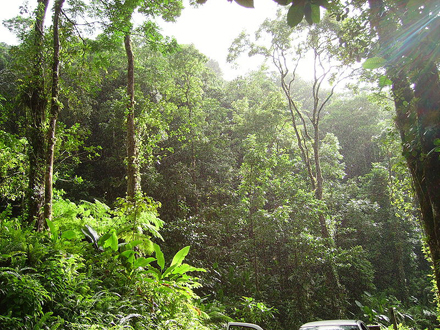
x: 288, y: 197
x: 73, y: 278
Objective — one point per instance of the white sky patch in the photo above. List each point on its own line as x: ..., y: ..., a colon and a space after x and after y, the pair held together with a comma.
x: 213, y: 26
x: 9, y: 9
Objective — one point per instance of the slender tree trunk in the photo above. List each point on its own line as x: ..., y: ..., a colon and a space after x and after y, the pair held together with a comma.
x: 331, y: 269
x: 300, y: 140
x: 397, y: 236
x: 252, y: 213
x: 54, y: 111
x: 35, y: 129
x: 319, y: 180
x: 133, y: 175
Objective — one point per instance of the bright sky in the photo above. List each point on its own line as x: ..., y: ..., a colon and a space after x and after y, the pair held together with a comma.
x: 211, y: 28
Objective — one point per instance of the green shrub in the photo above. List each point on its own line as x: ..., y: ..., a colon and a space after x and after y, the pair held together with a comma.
x: 72, y: 279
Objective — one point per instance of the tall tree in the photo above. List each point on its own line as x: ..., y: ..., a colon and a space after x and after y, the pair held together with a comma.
x: 120, y: 14
x: 412, y: 67
x: 54, y: 111
x: 36, y: 100
x: 133, y: 171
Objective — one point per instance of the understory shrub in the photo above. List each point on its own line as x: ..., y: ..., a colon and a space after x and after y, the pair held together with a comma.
x: 63, y: 278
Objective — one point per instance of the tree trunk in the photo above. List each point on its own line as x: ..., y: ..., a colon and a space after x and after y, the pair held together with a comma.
x: 35, y: 130
x: 425, y: 166
x: 300, y: 139
x: 416, y: 93
x: 331, y: 269
x: 319, y: 181
x: 54, y: 111
x: 133, y: 175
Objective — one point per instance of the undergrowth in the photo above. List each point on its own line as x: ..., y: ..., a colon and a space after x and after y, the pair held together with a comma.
x: 95, y: 268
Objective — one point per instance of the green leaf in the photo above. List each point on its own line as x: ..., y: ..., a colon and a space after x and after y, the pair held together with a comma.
x: 168, y: 271
x: 316, y: 13
x: 384, y: 81
x: 308, y: 13
x: 358, y: 304
x: 177, y: 261
x: 105, y: 237
x: 126, y: 254
x: 295, y: 15
x: 142, y: 262
x: 245, y: 3
x: 69, y: 234
x: 374, y: 63
x: 52, y: 228
x: 184, y: 268
x: 129, y: 254
x: 159, y: 256
x: 132, y: 244
x: 180, y: 256
x: 112, y: 241
x: 155, y: 272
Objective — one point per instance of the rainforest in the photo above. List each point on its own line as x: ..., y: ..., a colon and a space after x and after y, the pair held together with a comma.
x: 140, y: 189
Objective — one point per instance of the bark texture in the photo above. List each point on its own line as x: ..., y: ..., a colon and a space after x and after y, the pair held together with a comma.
x: 416, y: 92
x: 133, y: 175
x: 37, y: 103
x: 54, y: 111
x: 423, y: 161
